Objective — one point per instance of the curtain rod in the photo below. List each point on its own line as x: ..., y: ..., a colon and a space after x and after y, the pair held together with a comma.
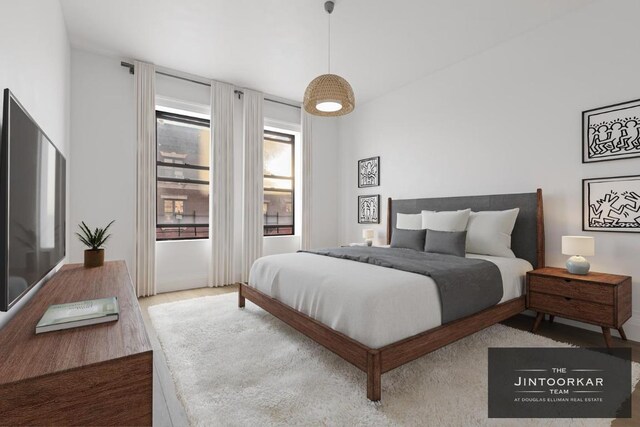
x: 236, y: 91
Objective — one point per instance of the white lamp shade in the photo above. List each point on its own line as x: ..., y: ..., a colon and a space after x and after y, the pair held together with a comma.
x: 578, y: 245
x: 367, y: 233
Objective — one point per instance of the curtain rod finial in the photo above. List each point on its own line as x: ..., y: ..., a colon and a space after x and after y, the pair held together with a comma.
x: 127, y: 65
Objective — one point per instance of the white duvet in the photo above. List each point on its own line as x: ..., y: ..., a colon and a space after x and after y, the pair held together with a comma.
x: 373, y: 305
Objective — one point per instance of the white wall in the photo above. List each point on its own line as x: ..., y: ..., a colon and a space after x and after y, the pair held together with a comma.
x: 325, y: 183
x: 34, y: 65
x: 103, y: 144
x: 182, y: 264
x: 507, y: 120
x: 104, y: 178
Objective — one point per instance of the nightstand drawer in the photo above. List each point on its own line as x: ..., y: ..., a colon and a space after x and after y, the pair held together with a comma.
x: 602, y: 294
x: 572, y: 308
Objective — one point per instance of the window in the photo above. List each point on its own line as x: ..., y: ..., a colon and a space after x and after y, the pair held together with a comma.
x: 182, y: 205
x: 279, y: 171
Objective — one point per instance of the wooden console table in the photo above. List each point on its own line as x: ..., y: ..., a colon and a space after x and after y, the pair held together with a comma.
x: 93, y: 375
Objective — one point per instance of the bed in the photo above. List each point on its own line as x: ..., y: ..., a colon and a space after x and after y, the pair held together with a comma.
x: 332, y: 300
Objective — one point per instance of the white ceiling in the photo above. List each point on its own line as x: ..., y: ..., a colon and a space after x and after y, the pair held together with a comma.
x: 278, y: 46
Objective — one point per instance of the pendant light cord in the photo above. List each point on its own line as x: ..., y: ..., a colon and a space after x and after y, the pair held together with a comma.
x: 329, y: 45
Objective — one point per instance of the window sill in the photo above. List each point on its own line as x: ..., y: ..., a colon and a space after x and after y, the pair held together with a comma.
x: 183, y: 240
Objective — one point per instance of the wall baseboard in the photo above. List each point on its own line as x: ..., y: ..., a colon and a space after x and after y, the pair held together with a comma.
x: 181, y: 285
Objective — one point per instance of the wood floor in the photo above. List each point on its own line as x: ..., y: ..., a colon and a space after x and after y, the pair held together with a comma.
x: 168, y: 411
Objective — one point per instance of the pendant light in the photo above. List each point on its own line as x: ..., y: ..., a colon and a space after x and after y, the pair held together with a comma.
x: 329, y: 94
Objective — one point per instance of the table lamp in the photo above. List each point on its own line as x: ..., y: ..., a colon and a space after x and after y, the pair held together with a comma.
x: 578, y: 247
x: 367, y: 235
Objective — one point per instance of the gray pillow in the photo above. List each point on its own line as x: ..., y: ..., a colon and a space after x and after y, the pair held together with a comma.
x: 446, y: 242
x: 411, y: 239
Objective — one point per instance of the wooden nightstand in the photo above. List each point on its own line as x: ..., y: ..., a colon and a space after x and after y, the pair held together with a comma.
x: 597, y: 298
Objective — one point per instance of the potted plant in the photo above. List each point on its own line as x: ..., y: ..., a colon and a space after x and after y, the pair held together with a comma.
x: 94, y: 256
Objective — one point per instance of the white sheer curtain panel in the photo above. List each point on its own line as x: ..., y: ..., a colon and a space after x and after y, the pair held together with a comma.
x: 221, y: 268
x: 252, y: 227
x: 307, y: 144
x: 145, y: 90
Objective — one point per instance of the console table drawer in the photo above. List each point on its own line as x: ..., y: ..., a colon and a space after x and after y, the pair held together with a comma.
x: 572, y: 289
x: 576, y: 309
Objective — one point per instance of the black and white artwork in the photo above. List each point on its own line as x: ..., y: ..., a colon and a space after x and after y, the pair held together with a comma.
x: 368, y: 209
x: 611, y: 204
x: 369, y: 172
x: 611, y: 133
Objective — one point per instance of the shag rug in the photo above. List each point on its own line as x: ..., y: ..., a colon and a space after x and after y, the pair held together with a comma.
x: 246, y: 368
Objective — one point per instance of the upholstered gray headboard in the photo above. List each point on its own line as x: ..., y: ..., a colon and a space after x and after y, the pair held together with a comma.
x: 527, y: 239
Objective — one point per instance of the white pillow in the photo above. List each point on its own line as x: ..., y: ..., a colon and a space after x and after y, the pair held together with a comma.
x: 445, y: 220
x: 409, y: 221
x: 489, y: 232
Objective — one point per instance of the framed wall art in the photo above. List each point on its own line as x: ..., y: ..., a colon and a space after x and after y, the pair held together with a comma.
x: 369, y: 172
x: 611, y: 132
x: 611, y: 204
x: 368, y: 209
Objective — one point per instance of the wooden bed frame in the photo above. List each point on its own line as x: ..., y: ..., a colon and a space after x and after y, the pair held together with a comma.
x: 376, y: 362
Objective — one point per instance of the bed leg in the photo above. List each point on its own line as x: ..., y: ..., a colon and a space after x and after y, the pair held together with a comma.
x: 240, y: 297
x: 374, y: 374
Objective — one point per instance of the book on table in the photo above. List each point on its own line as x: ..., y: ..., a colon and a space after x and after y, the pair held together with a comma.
x: 80, y: 313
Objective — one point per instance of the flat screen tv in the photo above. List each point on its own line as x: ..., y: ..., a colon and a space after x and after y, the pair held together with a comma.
x: 32, y: 203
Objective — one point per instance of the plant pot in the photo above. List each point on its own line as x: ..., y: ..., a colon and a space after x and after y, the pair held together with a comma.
x: 93, y: 258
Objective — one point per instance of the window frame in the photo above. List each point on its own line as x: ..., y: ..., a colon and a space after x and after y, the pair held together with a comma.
x: 189, y: 120
x: 292, y: 143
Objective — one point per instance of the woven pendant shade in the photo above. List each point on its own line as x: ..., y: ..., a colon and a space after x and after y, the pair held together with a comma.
x: 329, y: 94
x: 329, y: 88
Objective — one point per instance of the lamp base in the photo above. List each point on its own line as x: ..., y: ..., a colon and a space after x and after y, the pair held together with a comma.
x: 578, y: 265
x: 369, y: 242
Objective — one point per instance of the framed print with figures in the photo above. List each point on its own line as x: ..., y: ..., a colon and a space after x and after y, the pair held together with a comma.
x: 368, y: 209
x: 611, y: 204
x: 369, y: 172
x: 611, y: 133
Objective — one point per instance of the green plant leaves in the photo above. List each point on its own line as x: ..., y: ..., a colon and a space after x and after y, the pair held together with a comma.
x: 96, y: 239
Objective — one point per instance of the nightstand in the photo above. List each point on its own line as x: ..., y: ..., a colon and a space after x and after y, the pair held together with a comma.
x: 597, y: 298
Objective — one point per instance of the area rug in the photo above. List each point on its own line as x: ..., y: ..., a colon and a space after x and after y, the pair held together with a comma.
x: 244, y: 367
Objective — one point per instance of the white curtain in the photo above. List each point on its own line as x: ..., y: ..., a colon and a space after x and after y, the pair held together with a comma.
x: 221, y: 199
x: 252, y: 229
x: 307, y: 144
x: 145, y: 89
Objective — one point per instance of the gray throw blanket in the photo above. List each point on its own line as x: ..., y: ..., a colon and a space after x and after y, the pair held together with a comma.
x: 466, y: 285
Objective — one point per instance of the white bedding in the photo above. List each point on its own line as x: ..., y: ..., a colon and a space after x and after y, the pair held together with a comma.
x: 373, y: 305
